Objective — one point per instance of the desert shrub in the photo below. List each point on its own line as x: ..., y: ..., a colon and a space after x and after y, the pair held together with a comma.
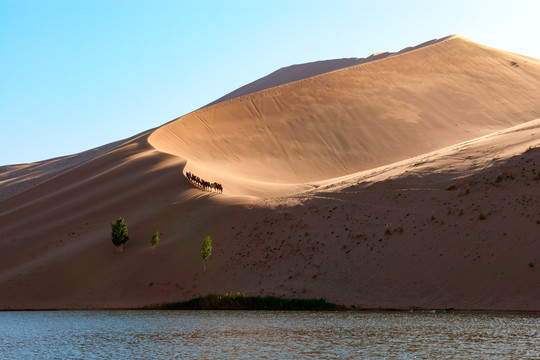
x: 206, y: 250
x: 238, y: 301
x: 154, y: 241
x: 119, y: 233
x: 499, y: 176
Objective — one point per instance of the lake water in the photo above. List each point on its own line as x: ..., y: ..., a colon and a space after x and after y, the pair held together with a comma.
x: 266, y: 335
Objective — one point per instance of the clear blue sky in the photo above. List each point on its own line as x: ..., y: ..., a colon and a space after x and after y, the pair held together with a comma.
x: 77, y: 74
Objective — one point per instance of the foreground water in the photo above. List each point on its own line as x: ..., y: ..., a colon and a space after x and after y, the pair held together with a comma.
x: 266, y: 335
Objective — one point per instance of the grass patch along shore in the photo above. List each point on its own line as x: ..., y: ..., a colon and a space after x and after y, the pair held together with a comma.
x: 239, y: 301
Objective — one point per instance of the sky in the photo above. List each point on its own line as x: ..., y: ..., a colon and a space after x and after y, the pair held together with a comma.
x: 78, y: 74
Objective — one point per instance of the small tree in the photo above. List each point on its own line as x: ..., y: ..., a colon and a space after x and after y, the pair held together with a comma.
x: 154, y: 241
x: 206, y: 250
x: 119, y: 234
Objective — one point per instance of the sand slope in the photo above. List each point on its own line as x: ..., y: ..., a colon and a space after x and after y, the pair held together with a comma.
x: 370, y: 186
x: 302, y: 71
x: 455, y: 228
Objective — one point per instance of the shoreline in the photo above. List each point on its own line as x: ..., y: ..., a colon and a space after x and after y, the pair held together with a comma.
x: 364, y: 310
x: 239, y: 302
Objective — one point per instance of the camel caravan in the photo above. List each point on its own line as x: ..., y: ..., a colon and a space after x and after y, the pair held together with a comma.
x: 202, y: 184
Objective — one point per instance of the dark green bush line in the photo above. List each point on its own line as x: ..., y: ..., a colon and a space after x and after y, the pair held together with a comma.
x: 241, y: 302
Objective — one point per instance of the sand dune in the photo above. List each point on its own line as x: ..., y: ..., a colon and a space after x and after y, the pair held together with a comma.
x: 359, y: 117
x: 410, y: 181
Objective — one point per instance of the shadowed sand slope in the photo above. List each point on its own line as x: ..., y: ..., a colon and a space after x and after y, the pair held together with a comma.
x: 18, y: 178
x: 361, y: 116
x: 55, y: 245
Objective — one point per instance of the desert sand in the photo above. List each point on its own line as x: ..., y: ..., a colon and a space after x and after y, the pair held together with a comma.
x: 405, y: 180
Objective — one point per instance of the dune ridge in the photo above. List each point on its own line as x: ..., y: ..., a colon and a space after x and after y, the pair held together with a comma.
x: 410, y: 182
x: 18, y: 178
x: 298, y: 72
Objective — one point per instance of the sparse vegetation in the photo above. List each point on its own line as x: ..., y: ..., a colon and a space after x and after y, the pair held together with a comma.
x: 481, y: 216
x: 238, y: 301
x: 206, y: 250
x: 499, y: 176
x: 154, y: 241
x: 467, y: 189
x: 119, y: 234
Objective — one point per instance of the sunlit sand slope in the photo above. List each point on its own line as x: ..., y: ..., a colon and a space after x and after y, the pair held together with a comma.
x: 302, y: 71
x: 360, y: 117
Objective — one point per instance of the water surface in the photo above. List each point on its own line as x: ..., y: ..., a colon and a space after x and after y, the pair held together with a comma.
x: 266, y: 335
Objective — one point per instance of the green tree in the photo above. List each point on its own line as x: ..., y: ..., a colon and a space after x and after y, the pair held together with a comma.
x: 119, y: 234
x: 206, y: 250
x: 154, y: 241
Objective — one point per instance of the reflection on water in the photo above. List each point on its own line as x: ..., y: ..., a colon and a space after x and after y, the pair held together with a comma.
x: 266, y: 335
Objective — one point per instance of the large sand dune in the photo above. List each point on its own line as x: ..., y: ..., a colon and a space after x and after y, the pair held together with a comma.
x: 408, y: 181
x: 361, y: 116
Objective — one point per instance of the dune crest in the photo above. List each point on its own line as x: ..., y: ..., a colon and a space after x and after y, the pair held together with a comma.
x: 298, y: 72
x: 427, y: 97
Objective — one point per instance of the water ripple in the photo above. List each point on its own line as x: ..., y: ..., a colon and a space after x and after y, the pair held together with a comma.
x: 266, y: 335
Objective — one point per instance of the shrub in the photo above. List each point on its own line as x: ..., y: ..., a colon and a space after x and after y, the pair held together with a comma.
x: 499, y: 176
x: 206, y: 250
x: 238, y: 301
x: 154, y: 241
x: 119, y: 234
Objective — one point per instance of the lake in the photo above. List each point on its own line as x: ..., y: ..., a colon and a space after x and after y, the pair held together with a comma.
x: 266, y: 335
